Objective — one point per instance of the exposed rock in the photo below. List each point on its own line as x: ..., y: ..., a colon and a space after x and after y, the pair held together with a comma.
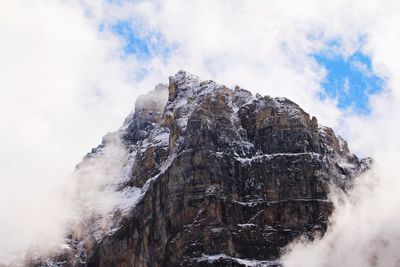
x: 148, y: 111
x: 226, y: 178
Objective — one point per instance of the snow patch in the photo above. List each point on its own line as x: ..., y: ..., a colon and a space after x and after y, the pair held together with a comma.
x: 245, y: 262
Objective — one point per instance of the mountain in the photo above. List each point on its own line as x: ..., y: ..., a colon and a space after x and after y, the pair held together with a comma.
x: 212, y: 176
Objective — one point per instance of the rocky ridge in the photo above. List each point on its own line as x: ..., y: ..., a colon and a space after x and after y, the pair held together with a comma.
x: 217, y: 177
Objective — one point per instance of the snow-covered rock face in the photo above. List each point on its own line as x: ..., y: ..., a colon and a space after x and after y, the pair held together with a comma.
x: 212, y: 176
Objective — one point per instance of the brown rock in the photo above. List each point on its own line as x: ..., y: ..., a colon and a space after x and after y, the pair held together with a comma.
x: 240, y: 177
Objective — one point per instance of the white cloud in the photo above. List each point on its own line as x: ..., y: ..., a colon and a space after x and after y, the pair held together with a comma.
x: 361, y: 67
x: 64, y: 85
x: 346, y: 85
x: 265, y: 46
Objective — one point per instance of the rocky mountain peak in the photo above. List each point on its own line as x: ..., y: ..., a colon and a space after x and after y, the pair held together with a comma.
x: 225, y: 178
x: 182, y: 81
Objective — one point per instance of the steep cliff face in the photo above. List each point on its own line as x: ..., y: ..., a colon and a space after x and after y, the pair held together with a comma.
x: 225, y: 179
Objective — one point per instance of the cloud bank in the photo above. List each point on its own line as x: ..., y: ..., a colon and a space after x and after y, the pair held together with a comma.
x: 62, y: 87
x: 67, y: 78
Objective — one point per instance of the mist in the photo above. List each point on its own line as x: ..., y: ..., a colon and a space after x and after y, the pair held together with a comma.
x: 55, y: 105
x: 66, y: 80
x: 364, y: 228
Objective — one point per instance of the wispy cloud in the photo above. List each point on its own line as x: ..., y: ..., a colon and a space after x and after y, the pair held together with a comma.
x: 350, y: 80
x: 68, y: 77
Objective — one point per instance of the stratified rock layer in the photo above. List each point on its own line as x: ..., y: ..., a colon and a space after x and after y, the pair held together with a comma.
x: 227, y: 178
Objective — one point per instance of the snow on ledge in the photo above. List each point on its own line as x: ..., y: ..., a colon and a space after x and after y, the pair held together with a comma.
x: 245, y: 262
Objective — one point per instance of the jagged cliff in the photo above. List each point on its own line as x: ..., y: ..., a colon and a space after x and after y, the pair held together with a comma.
x: 224, y: 178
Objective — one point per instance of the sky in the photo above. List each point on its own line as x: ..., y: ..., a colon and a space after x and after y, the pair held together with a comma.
x: 349, y: 79
x: 71, y: 71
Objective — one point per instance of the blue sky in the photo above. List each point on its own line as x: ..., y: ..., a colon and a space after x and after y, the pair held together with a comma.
x: 134, y: 43
x: 240, y: 40
x: 349, y: 80
x: 142, y: 44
